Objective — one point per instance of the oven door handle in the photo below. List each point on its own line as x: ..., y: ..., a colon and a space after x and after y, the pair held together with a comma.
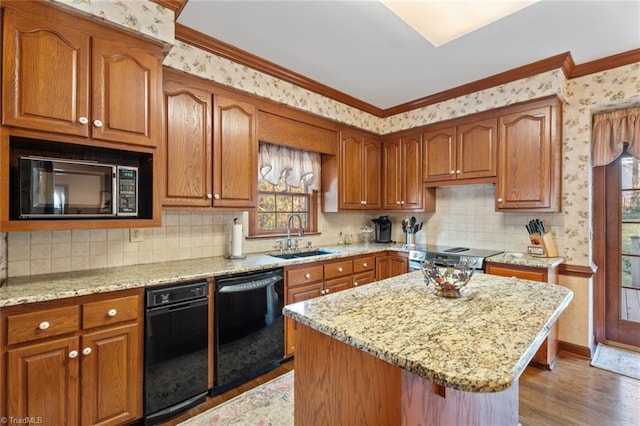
x: 176, y: 306
x: 249, y: 285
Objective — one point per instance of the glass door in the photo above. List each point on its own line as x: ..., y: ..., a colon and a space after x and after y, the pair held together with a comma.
x: 623, y: 251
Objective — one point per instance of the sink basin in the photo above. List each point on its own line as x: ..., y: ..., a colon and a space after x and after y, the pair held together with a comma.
x: 299, y: 254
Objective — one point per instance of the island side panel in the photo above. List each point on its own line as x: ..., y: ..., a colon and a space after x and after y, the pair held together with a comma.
x: 426, y: 403
x: 337, y: 384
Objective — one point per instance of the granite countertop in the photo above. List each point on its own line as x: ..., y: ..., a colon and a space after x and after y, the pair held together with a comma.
x: 524, y: 259
x: 39, y: 288
x: 480, y: 342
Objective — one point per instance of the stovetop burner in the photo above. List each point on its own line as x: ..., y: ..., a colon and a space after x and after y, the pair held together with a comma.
x: 423, y: 252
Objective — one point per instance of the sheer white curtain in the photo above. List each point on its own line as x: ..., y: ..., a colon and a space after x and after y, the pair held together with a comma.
x: 298, y: 167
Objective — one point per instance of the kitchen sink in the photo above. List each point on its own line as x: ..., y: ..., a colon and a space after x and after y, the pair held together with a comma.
x: 299, y: 254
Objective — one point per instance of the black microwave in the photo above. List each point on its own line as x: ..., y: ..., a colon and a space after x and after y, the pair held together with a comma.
x: 61, y: 188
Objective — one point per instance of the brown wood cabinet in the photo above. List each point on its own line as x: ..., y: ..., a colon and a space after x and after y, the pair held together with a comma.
x: 548, y: 352
x: 466, y: 150
x: 64, y: 74
x: 317, y: 279
x: 359, y: 171
x: 211, y: 146
x: 391, y: 264
x: 402, y: 170
x: 74, y: 362
x: 529, y: 157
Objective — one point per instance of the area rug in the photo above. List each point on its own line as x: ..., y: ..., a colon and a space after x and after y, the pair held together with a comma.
x: 265, y: 405
x: 617, y: 360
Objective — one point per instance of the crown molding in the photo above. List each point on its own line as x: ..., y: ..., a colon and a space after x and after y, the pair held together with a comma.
x: 217, y: 47
x: 175, y: 5
x: 606, y: 63
x: 563, y: 61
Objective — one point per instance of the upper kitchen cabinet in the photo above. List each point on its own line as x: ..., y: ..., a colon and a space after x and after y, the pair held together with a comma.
x: 529, y: 157
x: 235, y: 153
x: 460, y: 150
x: 402, y: 172
x: 360, y: 164
x: 211, y: 146
x: 67, y: 75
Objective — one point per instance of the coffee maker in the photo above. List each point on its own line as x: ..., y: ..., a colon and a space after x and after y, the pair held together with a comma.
x: 383, y: 229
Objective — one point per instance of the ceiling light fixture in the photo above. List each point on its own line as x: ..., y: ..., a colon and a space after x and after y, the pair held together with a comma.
x: 443, y: 21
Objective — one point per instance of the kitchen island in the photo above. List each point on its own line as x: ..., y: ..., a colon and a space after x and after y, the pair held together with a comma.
x: 394, y: 353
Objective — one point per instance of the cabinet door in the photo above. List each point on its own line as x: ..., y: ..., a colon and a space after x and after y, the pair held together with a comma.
x: 371, y: 164
x: 391, y: 169
x: 382, y: 267
x: 235, y: 153
x: 411, y: 175
x: 45, y: 80
x: 298, y: 294
x: 398, y: 265
x: 338, y: 284
x: 525, y: 153
x: 351, y: 176
x: 42, y: 380
x: 125, y: 90
x: 477, y: 149
x: 111, y: 376
x: 187, y: 144
x: 439, y: 162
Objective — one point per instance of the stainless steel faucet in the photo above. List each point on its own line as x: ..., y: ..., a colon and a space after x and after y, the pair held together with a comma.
x: 300, y: 231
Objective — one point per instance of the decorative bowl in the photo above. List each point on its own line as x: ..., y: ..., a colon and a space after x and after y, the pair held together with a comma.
x: 447, y: 277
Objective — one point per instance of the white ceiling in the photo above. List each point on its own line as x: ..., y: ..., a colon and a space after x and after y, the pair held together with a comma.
x: 362, y: 49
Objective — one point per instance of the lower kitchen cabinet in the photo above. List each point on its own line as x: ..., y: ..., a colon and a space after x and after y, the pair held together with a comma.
x: 390, y: 265
x: 74, y: 362
x: 548, y: 352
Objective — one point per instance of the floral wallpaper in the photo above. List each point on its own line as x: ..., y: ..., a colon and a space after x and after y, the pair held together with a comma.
x: 581, y: 96
x: 144, y: 17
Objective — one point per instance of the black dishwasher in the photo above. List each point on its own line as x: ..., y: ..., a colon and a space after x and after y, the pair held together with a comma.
x: 176, y: 348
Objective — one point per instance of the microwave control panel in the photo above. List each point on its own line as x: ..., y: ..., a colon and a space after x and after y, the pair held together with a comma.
x: 127, y: 191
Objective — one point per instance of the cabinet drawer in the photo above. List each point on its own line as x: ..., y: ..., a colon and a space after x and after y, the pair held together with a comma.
x: 42, y: 324
x: 110, y: 311
x: 304, y: 275
x: 338, y: 269
x: 363, y: 278
x: 364, y: 264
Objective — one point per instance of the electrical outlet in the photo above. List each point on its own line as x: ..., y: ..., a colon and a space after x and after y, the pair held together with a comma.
x: 135, y: 235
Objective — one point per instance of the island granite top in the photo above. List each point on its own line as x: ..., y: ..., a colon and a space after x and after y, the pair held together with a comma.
x: 480, y: 342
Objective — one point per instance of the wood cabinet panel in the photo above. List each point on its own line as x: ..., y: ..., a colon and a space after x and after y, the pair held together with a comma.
x: 338, y: 284
x: 44, y: 62
x: 42, y: 324
x: 402, y: 171
x: 440, y: 154
x: 305, y: 275
x: 338, y: 269
x: 398, y: 265
x: 363, y: 278
x: 529, y: 174
x: 366, y: 263
x: 90, y: 375
x: 235, y: 153
x: 467, y: 150
x: 187, y: 145
x: 42, y: 382
x: 293, y: 295
x: 108, y: 312
x: 476, y: 146
x: 111, y: 379
x: 359, y: 171
x: 66, y: 75
x: 126, y: 88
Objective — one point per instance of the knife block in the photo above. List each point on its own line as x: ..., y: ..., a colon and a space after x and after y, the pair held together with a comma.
x: 542, y: 245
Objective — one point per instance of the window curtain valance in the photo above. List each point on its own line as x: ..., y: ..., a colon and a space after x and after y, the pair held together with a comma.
x: 298, y: 167
x: 611, y: 130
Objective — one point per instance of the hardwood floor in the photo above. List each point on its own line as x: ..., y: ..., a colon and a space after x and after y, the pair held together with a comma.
x: 574, y: 393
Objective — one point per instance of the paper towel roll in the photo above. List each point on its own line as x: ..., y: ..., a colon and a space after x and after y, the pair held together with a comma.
x: 236, y: 240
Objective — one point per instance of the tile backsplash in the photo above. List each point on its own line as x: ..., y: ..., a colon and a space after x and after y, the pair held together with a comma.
x: 465, y: 216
